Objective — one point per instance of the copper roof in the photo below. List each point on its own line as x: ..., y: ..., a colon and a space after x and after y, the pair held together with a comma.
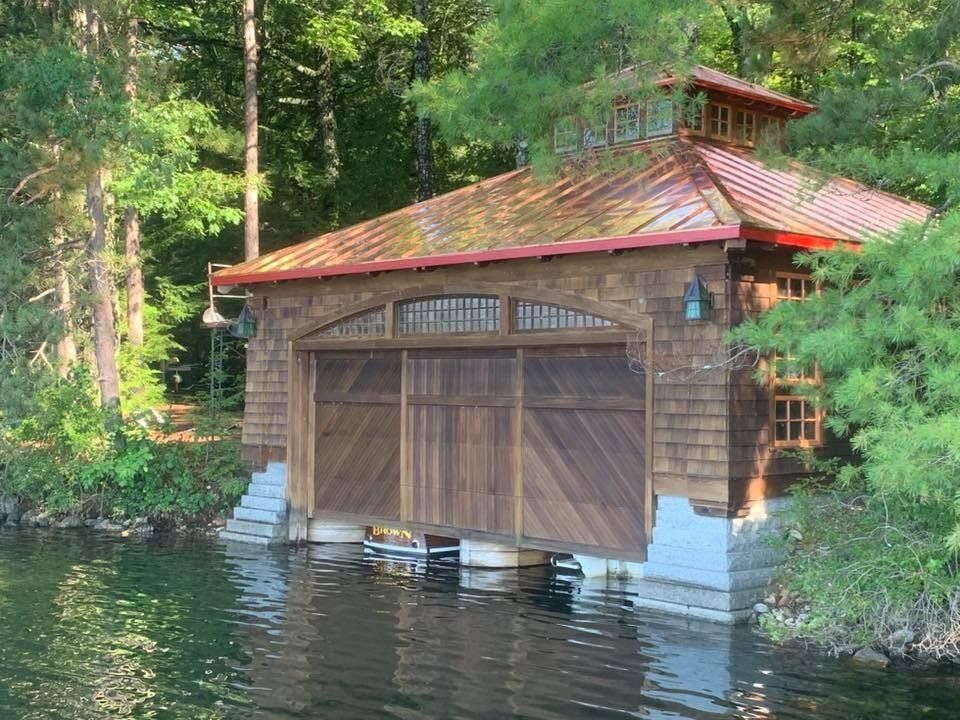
x: 680, y: 190
x: 710, y: 79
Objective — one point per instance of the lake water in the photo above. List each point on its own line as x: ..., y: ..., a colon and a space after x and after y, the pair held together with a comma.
x: 97, y: 627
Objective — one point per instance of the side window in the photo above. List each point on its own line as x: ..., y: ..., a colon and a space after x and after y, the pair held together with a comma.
x: 795, y: 422
x: 719, y: 120
x: 745, y: 126
x: 626, y: 124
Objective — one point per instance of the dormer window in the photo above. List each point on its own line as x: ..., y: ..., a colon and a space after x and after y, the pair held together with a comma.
x: 745, y: 126
x: 693, y: 118
x: 719, y: 121
x: 659, y: 118
x: 595, y: 136
x: 630, y: 123
x: 565, y: 136
x: 769, y: 128
x: 626, y: 126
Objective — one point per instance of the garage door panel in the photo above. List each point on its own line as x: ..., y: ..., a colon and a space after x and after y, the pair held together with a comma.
x: 483, y: 512
x: 594, y: 377
x: 601, y: 429
x: 376, y: 374
x: 461, y: 375
x: 584, y: 524
x: 458, y: 466
x: 583, y: 477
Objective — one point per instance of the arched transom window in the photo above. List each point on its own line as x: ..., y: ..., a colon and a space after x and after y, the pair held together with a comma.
x: 371, y: 323
x: 449, y: 314
x: 463, y: 314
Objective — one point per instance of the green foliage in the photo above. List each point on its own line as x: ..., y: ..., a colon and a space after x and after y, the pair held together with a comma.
x: 884, y: 332
x: 61, y: 459
x: 538, y: 62
x: 169, y: 306
x: 873, y: 570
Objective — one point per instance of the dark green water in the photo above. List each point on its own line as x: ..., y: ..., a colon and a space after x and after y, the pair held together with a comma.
x: 98, y: 627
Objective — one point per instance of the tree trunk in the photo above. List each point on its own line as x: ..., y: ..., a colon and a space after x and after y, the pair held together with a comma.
x: 328, y: 123
x: 251, y: 159
x: 131, y: 216
x: 66, y: 347
x: 421, y: 71
x: 104, y: 341
x: 135, y: 291
x: 736, y: 18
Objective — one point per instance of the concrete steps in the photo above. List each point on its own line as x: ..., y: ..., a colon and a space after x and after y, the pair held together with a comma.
x: 261, y: 517
x: 256, y: 502
x: 271, y: 517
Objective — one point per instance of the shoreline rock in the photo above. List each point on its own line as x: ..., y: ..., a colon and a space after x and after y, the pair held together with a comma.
x: 868, y: 657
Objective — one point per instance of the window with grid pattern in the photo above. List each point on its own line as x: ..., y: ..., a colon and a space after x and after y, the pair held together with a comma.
x: 626, y: 124
x: 769, y: 127
x: 745, y: 126
x: 372, y: 322
x: 537, y: 316
x: 796, y: 422
x: 719, y: 120
x: 595, y: 136
x: 659, y: 118
x: 449, y: 314
x: 693, y: 118
x: 792, y: 286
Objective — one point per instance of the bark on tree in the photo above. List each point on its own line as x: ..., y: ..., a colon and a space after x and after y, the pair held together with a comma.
x: 421, y: 71
x: 131, y: 216
x: 328, y: 122
x: 101, y: 289
x: 66, y: 347
x: 104, y: 340
x: 736, y: 18
x: 251, y: 160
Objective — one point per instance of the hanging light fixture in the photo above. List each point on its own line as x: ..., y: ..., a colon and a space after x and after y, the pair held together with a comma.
x: 697, y: 300
x: 245, y: 325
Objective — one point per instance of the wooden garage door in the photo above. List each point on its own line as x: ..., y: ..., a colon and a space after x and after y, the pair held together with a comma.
x: 357, y: 467
x: 583, y: 448
x: 460, y: 451
x: 537, y: 445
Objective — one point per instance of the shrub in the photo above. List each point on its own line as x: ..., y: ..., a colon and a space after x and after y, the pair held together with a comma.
x: 874, y: 571
x: 61, y: 459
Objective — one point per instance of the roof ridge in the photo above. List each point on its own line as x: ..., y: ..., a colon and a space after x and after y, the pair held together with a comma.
x: 704, y: 180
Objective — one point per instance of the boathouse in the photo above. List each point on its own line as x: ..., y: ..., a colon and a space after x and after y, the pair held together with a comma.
x: 541, y: 367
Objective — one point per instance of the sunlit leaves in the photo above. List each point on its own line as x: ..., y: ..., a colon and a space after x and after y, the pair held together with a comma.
x: 885, y: 333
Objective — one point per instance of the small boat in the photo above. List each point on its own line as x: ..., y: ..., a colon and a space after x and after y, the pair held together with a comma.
x: 407, y: 543
x: 565, y: 564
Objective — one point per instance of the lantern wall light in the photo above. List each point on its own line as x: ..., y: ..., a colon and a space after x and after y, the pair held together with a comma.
x: 697, y: 300
x: 245, y: 325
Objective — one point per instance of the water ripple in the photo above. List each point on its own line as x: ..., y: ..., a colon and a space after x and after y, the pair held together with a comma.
x: 97, y: 627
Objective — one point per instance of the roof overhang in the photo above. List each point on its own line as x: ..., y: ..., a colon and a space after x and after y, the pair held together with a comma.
x: 608, y: 244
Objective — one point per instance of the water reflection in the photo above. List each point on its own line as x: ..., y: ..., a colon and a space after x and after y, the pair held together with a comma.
x: 97, y: 628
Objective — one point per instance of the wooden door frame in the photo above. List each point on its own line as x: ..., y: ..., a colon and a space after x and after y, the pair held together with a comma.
x: 303, y: 350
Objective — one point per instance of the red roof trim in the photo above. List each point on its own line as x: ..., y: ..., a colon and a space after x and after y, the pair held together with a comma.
x: 801, y: 241
x: 784, y: 101
x: 624, y: 242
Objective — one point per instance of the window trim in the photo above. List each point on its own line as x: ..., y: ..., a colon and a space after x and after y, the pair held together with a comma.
x: 708, y: 130
x: 752, y: 139
x: 803, y: 442
x: 639, y: 122
x: 624, y: 321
